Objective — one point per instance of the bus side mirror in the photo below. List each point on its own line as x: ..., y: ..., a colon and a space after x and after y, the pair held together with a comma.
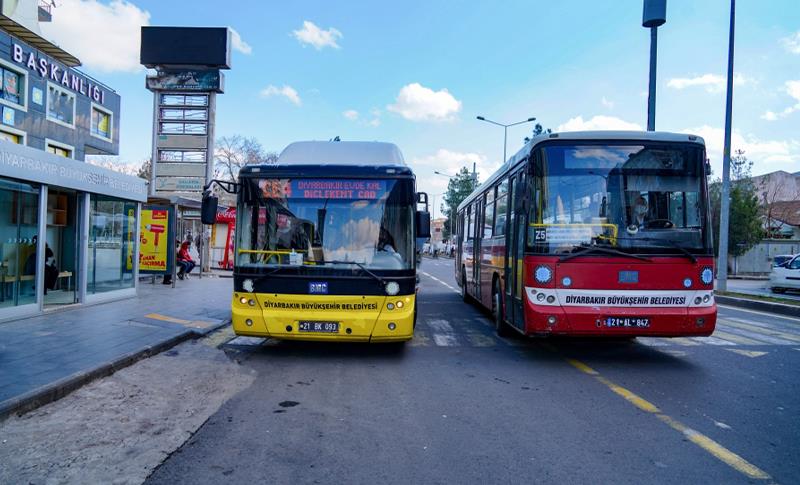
x: 208, y: 210
x: 423, y: 224
x: 422, y: 198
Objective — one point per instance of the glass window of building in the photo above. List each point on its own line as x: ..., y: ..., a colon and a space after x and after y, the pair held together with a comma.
x: 14, y: 136
x: 112, y: 233
x: 19, y: 222
x: 59, y: 149
x: 12, y: 86
x: 182, y: 155
x: 184, y: 100
x: 173, y: 128
x: 60, y: 106
x: 184, y: 114
x: 101, y: 122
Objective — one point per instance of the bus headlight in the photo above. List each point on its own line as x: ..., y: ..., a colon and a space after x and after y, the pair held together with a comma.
x: 392, y: 288
x: 707, y: 276
x: 543, y: 274
x: 706, y: 297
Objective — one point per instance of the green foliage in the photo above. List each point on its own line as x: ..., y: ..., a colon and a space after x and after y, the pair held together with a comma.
x: 744, y: 228
x: 537, y: 130
x: 458, y: 188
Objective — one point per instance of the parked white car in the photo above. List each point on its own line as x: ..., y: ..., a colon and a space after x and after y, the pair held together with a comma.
x: 786, y: 276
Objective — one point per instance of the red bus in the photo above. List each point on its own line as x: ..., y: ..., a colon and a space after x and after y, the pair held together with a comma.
x: 594, y: 234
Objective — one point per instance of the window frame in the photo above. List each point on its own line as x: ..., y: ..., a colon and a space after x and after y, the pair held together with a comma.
x: 74, y: 106
x: 14, y: 131
x: 102, y: 109
x: 58, y: 144
x: 23, y: 92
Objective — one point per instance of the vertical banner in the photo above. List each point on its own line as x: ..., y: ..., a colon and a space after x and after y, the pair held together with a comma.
x: 157, y: 239
x: 128, y: 233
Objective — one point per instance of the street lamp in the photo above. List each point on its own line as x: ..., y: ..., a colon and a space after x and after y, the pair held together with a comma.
x: 505, y: 133
x: 654, y: 15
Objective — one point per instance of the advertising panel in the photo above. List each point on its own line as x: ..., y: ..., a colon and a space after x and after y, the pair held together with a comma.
x: 157, y: 239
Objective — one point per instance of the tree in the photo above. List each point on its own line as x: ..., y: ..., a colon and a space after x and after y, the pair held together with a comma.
x: 744, y: 228
x: 537, y: 130
x: 775, y: 192
x: 458, y: 188
x: 234, y: 152
x: 144, y: 169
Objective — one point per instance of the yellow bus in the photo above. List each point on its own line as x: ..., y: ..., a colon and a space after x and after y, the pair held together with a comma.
x: 326, y: 244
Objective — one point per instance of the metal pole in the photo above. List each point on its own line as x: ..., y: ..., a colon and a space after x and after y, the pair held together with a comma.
x: 505, y: 142
x: 651, y: 96
x: 722, y: 270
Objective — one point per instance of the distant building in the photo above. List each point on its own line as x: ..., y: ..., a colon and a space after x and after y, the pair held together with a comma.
x: 783, y: 219
x: 437, y: 228
x: 68, y: 229
x: 777, y: 186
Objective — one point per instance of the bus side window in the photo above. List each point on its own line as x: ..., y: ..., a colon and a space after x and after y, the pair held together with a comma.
x: 489, y: 215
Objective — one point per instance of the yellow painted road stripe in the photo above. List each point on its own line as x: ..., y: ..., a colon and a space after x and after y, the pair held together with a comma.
x: 715, y: 449
x: 164, y: 318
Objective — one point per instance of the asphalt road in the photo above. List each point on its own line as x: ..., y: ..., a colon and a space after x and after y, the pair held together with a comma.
x: 460, y: 405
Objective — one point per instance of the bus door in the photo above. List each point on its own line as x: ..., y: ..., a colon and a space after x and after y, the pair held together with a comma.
x: 477, y: 250
x: 469, y: 248
x: 515, y: 249
x: 458, y: 239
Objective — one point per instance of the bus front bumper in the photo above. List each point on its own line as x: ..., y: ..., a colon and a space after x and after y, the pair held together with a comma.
x: 357, y: 318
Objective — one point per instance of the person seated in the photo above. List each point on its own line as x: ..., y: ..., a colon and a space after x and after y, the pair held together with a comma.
x: 185, y: 261
x: 385, y: 241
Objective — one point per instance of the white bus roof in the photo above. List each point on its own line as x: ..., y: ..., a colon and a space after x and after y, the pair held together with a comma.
x: 359, y: 153
x: 600, y: 136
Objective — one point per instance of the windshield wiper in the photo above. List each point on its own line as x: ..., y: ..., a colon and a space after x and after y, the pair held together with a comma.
x: 600, y: 249
x: 364, y: 268
x: 671, y: 242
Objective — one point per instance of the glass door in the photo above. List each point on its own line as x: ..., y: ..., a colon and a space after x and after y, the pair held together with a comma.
x: 19, y: 221
x: 62, y: 250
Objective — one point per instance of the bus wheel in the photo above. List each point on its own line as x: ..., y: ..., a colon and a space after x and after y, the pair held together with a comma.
x: 497, y: 313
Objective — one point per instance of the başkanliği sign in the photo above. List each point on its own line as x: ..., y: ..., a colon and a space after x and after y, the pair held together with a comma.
x: 57, y: 73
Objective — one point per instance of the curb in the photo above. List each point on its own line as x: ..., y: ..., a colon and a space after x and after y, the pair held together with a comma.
x: 764, y: 306
x: 60, y: 388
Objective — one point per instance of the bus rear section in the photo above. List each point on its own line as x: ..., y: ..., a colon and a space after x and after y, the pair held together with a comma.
x: 594, y: 233
x: 609, y: 296
x: 326, y: 251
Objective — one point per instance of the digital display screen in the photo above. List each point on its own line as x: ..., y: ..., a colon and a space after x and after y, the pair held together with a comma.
x: 352, y: 189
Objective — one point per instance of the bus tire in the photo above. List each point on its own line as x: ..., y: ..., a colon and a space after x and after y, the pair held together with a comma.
x: 501, y: 327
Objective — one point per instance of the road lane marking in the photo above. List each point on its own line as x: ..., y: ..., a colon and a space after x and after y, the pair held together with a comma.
x: 456, y: 290
x: 763, y: 331
x: 481, y: 340
x: 445, y: 340
x: 684, y: 341
x: 420, y: 339
x: 748, y: 353
x: 715, y: 449
x: 771, y: 315
x: 440, y: 325
x: 652, y: 341
x: 164, y: 318
x: 737, y: 339
x: 712, y: 341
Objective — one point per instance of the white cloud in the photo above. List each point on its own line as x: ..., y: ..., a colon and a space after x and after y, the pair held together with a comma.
x: 286, y: 91
x: 105, y: 37
x: 239, y: 44
x: 350, y: 114
x: 792, y: 43
x: 608, y: 104
x: 598, y: 122
x: 312, y: 35
x: 792, y: 88
x: 767, y: 155
x: 417, y: 103
x: 713, y: 83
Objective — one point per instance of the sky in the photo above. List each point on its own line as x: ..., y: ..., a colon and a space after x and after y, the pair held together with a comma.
x: 417, y: 73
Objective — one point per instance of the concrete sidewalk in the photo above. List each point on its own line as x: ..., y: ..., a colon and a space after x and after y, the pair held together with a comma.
x: 45, y: 357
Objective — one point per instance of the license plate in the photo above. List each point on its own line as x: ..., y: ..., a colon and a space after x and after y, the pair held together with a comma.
x: 635, y: 322
x: 323, y: 327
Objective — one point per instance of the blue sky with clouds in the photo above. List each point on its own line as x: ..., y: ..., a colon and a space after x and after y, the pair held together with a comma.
x: 418, y: 73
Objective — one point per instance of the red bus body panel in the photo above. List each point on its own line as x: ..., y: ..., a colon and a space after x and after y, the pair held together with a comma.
x: 602, y: 273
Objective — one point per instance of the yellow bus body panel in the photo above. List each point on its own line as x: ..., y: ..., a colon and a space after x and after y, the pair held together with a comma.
x: 367, y: 317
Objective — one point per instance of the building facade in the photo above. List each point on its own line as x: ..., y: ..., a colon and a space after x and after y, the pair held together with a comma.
x: 68, y: 229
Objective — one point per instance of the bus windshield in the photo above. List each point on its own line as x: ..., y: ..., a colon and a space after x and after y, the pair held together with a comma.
x: 638, y: 198
x: 326, y: 222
